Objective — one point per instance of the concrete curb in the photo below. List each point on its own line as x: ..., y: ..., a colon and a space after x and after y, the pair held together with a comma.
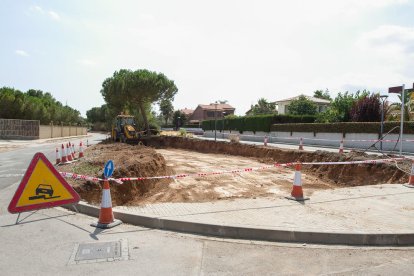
x: 238, y: 232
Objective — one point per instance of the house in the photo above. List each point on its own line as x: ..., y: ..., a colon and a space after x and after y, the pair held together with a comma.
x: 210, y: 112
x: 282, y: 106
x: 187, y: 112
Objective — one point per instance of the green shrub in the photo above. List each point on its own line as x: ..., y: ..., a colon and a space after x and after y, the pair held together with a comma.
x: 255, y: 123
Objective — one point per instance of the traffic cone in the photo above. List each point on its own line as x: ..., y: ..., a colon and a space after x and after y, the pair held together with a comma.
x: 411, y: 179
x: 64, y: 159
x: 73, y: 151
x: 297, y: 192
x: 68, y: 153
x: 57, y: 156
x: 106, y: 216
x: 265, y: 141
x: 341, y: 146
x: 301, y: 144
x: 80, y: 150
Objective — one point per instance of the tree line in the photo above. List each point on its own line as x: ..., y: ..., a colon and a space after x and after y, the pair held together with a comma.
x: 36, y: 105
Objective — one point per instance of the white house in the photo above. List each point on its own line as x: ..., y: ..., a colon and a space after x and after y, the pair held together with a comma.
x: 282, y: 106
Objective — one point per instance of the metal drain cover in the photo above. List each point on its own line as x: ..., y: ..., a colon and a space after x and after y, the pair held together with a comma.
x: 100, y: 252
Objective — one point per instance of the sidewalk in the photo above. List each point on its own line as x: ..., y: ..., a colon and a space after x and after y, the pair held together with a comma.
x: 369, y: 215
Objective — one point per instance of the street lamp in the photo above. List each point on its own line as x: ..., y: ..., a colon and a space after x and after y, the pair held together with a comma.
x: 178, y: 122
x: 215, y: 122
x: 222, y: 123
x: 383, y: 98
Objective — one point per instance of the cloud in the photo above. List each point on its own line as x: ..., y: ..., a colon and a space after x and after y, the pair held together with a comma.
x: 86, y: 62
x: 389, y: 39
x: 52, y: 14
x: 21, y: 53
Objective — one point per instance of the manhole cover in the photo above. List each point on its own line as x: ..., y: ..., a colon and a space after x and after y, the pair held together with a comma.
x: 100, y: 252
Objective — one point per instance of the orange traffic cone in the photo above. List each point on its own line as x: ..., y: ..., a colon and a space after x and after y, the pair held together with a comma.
x: 106, y: 216
x: 80, y: 150
x: 68, y: 153
x: 297, y: 192
x: 301, y: 144
x: 411, y: 179
x: 57, y: 156
x: 64, y: 159
x: 73, y: 151
x: 341, y: 146
x: 265, y: 141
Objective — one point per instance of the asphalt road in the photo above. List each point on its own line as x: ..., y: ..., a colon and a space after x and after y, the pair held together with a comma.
x: 46, y: 243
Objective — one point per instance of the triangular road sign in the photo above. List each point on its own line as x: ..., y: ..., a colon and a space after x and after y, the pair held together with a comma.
x: 42, y: 187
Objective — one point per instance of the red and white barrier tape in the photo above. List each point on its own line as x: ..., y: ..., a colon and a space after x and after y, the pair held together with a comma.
x: 178, y: 176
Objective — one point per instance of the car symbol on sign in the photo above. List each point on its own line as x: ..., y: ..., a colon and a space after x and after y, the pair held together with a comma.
x: 44, y: 189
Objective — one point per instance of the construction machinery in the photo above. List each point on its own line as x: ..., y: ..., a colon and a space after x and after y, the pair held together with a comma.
x: 124, y: 129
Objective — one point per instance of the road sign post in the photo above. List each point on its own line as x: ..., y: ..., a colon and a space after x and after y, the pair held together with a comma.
x: 42, y: 187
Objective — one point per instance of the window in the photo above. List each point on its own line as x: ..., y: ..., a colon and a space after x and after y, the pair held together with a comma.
x: 210, y: 114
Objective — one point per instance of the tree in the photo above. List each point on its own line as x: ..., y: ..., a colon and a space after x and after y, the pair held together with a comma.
x: 344, y: 102
x: 35, y: 105
x: 408, y: 106
x: 166, y: 109
x: 302, y: 106
x: 366, y: 109
x: 179, y: 119
x: 136, y: 90
x: 322, y: 95
x: 262, y: 107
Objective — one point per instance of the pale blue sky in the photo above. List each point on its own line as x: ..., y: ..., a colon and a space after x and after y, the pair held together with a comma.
x: 238, y: 51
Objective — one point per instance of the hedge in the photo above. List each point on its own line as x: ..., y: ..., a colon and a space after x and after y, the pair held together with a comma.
x: 349, y: 127
x: 255, y: 123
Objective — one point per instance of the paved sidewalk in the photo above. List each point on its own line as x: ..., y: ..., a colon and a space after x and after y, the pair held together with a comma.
x: 369, y: 215
x: 371, y: 209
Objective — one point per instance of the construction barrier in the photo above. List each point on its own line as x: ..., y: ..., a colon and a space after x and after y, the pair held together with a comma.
x: 297, y: 192
x: 106, y: 216
x: 411, y: 179
x: 235, y: 171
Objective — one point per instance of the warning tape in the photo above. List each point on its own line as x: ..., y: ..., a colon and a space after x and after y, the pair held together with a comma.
x: 236, y: 171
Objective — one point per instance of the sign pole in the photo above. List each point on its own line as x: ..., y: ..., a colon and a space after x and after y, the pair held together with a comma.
x: 402, y: 117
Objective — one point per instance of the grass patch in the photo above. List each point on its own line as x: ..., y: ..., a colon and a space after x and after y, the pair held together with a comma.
x: 87, y: 169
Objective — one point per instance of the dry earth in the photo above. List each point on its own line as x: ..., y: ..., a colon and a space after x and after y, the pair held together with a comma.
x: 139, y: 161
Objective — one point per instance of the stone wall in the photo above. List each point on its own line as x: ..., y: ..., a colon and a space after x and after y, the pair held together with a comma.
x: 31, y: 129
x: 19, y: 129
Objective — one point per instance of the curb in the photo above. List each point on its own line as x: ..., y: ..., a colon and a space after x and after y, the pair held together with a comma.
x: 238, y: 232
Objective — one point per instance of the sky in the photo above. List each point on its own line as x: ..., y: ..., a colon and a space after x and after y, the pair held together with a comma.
x: 238, y: 51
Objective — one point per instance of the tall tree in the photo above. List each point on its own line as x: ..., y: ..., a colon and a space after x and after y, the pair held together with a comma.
x: 322, y: 94
x: 179, y: 119
x: 166, y: 109
x: 136, y: 90
x: 302, y: 106
x: 366, y: 109
x: 262, y: 107
x: 35, y: 105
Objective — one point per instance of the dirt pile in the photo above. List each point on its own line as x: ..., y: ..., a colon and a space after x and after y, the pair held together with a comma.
x: 129, y: 161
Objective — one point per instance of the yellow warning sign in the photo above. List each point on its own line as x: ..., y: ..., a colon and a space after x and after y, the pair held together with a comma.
x: 42, y: 187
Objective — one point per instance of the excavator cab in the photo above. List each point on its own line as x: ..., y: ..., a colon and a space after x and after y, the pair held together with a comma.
x: 124, y: 129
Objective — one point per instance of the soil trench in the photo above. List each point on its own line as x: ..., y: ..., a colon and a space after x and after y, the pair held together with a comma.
x: 176, y: 155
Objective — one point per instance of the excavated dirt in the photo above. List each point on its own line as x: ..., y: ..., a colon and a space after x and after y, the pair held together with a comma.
x: 175, y: 155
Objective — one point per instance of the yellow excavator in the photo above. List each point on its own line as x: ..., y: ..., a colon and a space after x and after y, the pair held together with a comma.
x: 124, y: 129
